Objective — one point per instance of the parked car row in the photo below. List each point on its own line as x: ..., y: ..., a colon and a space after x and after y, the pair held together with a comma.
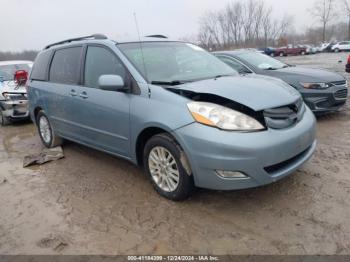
x: 225, y: 121
x: 306, y: 49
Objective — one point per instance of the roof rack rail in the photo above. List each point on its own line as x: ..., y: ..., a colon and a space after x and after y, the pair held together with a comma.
x: 157, y: 36
x: 94, y: 36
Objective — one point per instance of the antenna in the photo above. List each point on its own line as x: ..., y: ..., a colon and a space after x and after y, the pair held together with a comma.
x: 143, y: 58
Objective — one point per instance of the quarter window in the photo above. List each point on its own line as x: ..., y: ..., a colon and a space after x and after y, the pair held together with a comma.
x: 100, y: 61
x: 65, y: 66
x: 41, y: 64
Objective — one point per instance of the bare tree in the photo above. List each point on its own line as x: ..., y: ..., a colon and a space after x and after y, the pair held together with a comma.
x: 346, y: 5
x: 234, y: 16
x: 324, y: 12
x: 241, y: 23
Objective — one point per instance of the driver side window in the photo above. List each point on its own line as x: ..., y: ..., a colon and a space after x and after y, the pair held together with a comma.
x: 235, y: 65
x: 100, y: 61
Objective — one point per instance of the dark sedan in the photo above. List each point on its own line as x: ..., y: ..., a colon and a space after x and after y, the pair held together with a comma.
x: 323, y: 91
x: 270, y: 51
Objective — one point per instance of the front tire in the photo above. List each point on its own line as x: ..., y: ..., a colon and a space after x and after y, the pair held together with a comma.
x: 337, y: 50
x: 46, y: 132
x: 281, y: 54
x: 162, y: 162
x: 4, y: 121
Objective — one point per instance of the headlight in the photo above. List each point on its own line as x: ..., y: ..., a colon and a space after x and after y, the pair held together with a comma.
x: 222, y: 117
x: 316, y: 85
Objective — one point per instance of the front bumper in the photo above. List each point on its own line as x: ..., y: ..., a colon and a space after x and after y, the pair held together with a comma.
x: 15, y: 109
x: 264, y: 157
x: 324, y: 101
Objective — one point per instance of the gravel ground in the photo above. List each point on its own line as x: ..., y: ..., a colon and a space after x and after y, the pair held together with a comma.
x: 93, y: 203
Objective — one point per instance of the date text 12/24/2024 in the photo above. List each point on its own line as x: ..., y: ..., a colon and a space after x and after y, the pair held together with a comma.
x: 173, y: 258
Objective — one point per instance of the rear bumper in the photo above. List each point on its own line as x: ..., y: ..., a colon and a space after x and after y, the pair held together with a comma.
x: 264, y: 157
x: 15, y: 109
x: 323, y: 101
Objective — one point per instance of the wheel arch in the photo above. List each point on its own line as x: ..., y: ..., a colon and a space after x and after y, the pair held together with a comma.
x: 151, y: 131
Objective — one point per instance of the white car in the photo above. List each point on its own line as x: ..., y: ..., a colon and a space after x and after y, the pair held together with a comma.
x: 13, y: 94
x: 341, y: 46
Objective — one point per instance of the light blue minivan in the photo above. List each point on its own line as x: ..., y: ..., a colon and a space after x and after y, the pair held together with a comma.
x: 169, y: 106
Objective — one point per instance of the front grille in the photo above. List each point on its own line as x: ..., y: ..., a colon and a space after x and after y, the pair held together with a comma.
x: 285, y: 116
x: 280, y: 166
x: 343, y: 93
x: 339, y: 83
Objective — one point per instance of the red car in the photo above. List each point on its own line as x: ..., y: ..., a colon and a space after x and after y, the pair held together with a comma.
x: 347, y: 67
x: 290, y: 50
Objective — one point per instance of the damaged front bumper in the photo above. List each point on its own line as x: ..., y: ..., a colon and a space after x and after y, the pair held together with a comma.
x: 252, y: 159
x: 15, y: 109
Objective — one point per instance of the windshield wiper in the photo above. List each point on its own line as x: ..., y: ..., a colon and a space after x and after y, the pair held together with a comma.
x: 169, y: 83
x: 271, y: 68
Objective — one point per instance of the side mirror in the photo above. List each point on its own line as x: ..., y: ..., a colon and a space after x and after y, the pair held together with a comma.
x: 21, y: 77
x: 111, y: 83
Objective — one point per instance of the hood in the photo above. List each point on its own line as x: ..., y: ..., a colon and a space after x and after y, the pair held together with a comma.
x: 302, y: 74
x: 257, y: 93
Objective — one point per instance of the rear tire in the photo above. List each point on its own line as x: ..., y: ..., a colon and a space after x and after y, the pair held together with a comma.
x: 162, y: 163
x: 337, y: 50
x: 4, y: 121
x: 46, y: 132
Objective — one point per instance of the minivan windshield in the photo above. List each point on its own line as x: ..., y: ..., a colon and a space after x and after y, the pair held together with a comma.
x: 174, y: 62
x: 7, y: 72
x: 262, y: 61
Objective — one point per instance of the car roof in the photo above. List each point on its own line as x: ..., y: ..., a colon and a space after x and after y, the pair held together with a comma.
x: 98, y: 38
x: 15, y: 62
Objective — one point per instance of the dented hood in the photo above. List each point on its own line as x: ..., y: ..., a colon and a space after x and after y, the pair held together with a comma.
x: 254, y: 92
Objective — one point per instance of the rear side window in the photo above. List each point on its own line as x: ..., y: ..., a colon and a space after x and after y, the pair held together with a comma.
x: 65, y: 66
x: 40, y: 66
x: 100, y: 61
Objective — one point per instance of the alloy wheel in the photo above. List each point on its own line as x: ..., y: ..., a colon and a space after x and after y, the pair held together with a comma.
x: 45, y: 129
x: 163, y: 169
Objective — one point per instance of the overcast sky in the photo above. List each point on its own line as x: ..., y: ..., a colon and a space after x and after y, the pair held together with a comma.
x: 32, y: 24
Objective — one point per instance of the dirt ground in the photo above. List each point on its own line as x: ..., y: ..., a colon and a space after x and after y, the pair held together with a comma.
x: 93, y: 203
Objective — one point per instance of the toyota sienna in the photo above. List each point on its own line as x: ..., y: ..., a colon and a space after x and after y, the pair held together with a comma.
x: 169, y: 106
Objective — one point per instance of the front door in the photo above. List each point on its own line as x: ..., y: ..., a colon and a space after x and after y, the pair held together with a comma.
x: 103, y: 115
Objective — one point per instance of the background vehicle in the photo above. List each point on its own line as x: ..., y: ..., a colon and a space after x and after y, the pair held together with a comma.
x: 268, y: 51
x: 171, y: 107
x: 347, y: 66
x: 290, y: 50
x: 310, y: 49
x: 13, y: 95
x: 341, y: 46
x: 323, y: 91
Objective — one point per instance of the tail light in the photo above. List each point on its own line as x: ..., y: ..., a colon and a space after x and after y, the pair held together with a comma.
x: 349, y: 59
x: 21, y: 77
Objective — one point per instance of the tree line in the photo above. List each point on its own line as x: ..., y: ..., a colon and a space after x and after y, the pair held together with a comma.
x: 23, y: 55
x: 253, y: 23
x: 242, y: 23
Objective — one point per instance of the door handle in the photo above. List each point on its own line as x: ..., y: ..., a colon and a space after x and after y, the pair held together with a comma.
x: 73, y: 92
x: 84, y: 95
